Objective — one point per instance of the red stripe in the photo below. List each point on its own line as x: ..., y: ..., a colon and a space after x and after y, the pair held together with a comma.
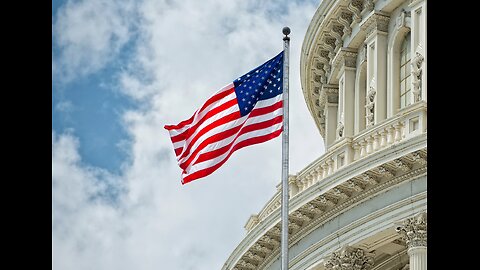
x: 220, y: 151
x: 181, y: 124
x: 178, y: 151
x: 221, y: 136
x: 208, y: 115
x: 211, y: 100
x: 215, y: 138
x: 222, y: 121
x: 217, y: 97
x: 265, y: 110
x: 240, y: 145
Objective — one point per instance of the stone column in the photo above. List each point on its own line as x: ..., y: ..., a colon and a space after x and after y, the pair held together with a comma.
x: 345, y: 62
x: 376, y: 27
x: 414, y: 231
x: 349, y: 258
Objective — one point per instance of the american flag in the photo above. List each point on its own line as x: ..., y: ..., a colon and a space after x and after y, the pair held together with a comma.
x: 246, y: 112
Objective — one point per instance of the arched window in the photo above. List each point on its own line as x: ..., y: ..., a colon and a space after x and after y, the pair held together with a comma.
x: 405, y: 73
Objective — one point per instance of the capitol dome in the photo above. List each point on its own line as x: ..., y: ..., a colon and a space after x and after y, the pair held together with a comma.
x: 363, y: 203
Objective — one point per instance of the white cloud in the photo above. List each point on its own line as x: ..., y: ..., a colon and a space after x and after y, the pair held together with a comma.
x: 89, y: 34
x: 65, y: 106
x: 185, y: 51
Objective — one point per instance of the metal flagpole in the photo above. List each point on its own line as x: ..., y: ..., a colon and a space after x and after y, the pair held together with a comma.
x: 284, y: 217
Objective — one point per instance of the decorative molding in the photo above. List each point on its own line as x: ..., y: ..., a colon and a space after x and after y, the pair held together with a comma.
x: 337, y: 32
x: 368, y: 179
x: 414, y: 230
x: 418, y: 157
x: 356, y: 7
x: 345, y: 57
x: 368, y: 5
x: 251, y: 222
x: 363, y: 53
x: 345, y: 19
x: 417, y: 76
x: 376, y: 22
x: 330, y: 45
x: 350, y: 258
x: 384, y: 171
x: 403, y: 20
x: 402, y: 165
x: 370, y: 104
x: 331, y: 92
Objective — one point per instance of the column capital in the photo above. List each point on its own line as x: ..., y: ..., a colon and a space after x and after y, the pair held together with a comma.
x: 329, y: 93
x: 345, y: 58
x: 377, y: 21
x: 349, y: 258
x: 414, y: 230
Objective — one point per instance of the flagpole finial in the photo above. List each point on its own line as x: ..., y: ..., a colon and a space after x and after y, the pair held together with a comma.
x: 286, y: 32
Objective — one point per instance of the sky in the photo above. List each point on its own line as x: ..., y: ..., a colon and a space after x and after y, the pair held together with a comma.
x: 123, y: 69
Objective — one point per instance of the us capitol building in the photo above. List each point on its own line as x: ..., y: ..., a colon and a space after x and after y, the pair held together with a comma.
x: 362, y: 204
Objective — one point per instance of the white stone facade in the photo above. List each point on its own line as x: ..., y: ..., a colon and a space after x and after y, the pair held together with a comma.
x: 362, y: 204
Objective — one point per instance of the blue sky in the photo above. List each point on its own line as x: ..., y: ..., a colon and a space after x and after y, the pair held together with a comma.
x: 123, y: 69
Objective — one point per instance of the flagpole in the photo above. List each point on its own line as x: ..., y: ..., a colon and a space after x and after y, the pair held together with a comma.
x: 284, y: 217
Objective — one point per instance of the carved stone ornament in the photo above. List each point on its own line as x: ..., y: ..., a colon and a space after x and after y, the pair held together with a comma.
x: 369, y: 5
x: 331, y: 92
x: 403, y: 20
x: 417, y: 76
x: 377, y: 22
x: 345, y: 58
x: 345, y: 19
x: 414, y: 230
x: 356, y: 7
x: 340, y: 127
x: 363, y: 53
x: 370, y: 104
x: 350, y: 258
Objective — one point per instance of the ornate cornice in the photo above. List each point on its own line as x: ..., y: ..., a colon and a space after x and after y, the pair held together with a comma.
x: 346, y: 19
x: 346, y: 57
x: 349, y: 258
x: 376, y: 22
x: 356, y: 7
x: 330, y: 92
x: 414, y: 230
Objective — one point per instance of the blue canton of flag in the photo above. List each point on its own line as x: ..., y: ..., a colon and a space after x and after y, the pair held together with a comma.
x: 264, y: 82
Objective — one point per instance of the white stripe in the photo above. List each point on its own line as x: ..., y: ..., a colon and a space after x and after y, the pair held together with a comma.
x: 226, y: 141
x: 199, y: 116
x: 259, y: 104
x: 214, y: 161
